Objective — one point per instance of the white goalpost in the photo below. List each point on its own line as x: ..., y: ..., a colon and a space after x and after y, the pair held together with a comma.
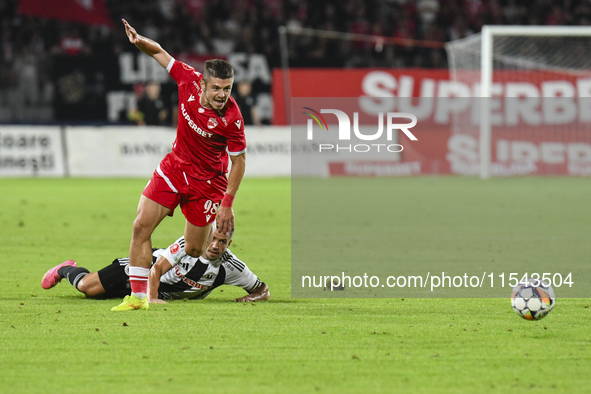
x: 535, y: 52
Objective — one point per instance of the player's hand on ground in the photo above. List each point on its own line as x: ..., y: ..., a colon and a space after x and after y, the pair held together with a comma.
x: 131, y: 33
x: 246, y: 298
x: 225, y: 219
x: 157, y: 301
x: 261, y: 293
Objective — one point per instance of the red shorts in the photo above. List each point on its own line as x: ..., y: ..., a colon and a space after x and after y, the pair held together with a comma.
x: 199, y: 200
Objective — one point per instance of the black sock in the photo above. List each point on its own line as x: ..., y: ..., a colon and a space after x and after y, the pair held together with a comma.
x: 73, y: 274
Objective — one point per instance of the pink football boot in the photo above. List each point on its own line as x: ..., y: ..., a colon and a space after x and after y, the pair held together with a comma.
x: 51, y: 277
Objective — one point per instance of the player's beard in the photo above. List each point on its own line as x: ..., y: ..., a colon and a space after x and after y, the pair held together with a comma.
x: 212, y: 255
x: 219, y: 105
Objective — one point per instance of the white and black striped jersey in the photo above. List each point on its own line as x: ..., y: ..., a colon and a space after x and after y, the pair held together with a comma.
x: 197, y: 277
x: 192, y: 277
x: 124, y: 261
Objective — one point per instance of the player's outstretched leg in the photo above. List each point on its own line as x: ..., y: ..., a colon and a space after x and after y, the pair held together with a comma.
x: 130, y: 303
x: 52, y: 278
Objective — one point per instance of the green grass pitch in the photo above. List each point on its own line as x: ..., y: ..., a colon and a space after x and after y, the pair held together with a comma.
x: 56, y: 341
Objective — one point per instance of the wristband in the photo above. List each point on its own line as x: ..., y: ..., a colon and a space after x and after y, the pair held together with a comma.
x: 227, y: 200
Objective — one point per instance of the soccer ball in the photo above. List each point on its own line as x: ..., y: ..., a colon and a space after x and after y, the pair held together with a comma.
x: 533, y: 302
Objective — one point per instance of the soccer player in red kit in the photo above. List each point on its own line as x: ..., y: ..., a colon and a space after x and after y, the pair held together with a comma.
x: 210, y: 128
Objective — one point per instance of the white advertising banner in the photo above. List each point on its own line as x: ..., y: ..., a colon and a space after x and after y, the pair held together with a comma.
x: 136, y: 151
x: 122, y: 151
x: 31, y: 151
x: 117, y: 151
x: 268, y: 151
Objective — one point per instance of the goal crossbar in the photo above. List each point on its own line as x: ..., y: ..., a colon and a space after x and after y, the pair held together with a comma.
x: 486, y: 74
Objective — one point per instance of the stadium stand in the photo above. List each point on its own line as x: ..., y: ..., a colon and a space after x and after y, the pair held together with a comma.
x: 37, y: 82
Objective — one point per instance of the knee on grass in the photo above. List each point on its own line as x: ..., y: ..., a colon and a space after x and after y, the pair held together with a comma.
x: 90, y: 287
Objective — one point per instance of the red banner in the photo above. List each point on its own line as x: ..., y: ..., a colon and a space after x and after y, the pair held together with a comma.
x: 541, y: 121
x: 89, y: 12
x: 345, y: 83
x: 439, y: 152
x: 435, y: 99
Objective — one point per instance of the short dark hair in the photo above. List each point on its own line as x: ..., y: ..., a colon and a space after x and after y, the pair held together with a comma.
x: 230, y: 234
x: 217, y: 68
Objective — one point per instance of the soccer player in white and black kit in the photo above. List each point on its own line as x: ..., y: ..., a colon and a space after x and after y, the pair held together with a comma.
x: 170, y: 279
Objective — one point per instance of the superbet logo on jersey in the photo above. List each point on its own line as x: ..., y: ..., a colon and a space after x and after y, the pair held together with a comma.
x: 345, y: 131
x: 192, y: 124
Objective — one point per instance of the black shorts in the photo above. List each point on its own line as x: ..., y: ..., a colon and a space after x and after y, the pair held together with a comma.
x: 115, y: 280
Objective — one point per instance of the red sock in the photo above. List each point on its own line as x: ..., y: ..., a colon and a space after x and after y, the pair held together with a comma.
x: 138, y: 279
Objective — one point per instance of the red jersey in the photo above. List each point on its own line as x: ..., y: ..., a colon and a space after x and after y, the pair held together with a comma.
x: 202, y: 135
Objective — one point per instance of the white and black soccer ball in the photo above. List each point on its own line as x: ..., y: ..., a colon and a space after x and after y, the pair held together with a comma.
x: 533, y: 302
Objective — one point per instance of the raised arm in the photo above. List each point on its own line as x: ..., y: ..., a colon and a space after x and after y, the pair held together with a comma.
x: 160, y: 268
x: 261, y: 293
x: 149, y: 47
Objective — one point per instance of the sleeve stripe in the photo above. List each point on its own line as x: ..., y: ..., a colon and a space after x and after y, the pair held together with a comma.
x: 169, y: 67
x: 237, y: 153
x: 236, y: 264
x: 234, y: 259
x: 254, y: 286
x: 240, y: 263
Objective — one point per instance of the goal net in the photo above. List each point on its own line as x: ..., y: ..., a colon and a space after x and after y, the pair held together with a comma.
x: 528, y: 95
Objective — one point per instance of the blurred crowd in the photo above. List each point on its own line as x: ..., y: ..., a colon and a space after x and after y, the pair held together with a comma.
x: 29, y: 46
